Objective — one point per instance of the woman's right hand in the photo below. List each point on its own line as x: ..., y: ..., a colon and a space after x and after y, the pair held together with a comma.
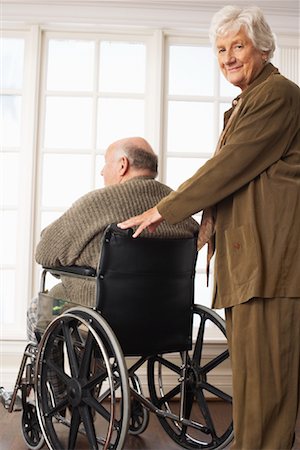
x: 149, y: 219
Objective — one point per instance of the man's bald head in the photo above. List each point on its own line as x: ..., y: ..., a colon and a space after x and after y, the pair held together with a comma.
x: 128, y: 158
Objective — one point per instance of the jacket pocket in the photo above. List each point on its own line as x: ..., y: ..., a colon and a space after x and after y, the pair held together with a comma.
x: 242, y: 253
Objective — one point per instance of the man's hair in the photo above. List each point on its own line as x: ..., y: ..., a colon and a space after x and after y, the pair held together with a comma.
x: 141, y: 159
x: 232, y: 18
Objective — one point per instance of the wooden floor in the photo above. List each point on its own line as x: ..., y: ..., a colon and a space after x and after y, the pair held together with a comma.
x: 154, y: 438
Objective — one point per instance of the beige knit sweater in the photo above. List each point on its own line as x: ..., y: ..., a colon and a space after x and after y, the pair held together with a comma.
x: 75, y: 237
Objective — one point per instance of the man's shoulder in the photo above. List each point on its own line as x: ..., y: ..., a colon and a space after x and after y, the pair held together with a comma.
x: 136, y: 184
x: 142, y: 185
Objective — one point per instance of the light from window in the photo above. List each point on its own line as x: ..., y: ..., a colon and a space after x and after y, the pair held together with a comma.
x: 68, y: 122
x: 122, y: 67
x: 7, y: 304
x: 9, y: 163
x: 8, y: 247
x: 190, y: 127
x: 10, y: 120
x: 188, y: 166
x: 191, y: 70
x: 119, y: 118
x: 227, y: 89
x: 70, y: 65
x: 66, y: 177
x: 12, y: 59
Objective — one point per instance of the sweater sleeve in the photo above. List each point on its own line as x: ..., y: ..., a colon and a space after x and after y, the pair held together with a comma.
x: 260, y: 136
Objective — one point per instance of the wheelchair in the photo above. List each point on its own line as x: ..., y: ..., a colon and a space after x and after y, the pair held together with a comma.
x: 80, y: 387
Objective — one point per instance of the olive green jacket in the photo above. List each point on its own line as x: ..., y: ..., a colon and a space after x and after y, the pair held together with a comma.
x: 254, y: 182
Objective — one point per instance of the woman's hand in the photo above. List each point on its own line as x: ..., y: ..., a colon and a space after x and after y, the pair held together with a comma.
x: 149, y: 219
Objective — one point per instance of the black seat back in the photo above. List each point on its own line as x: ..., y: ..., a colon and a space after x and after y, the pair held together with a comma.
x: 145, y: 290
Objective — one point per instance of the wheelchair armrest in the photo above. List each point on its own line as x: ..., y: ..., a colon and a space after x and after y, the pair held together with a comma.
x: 114, y: 229
x: 72, y: 270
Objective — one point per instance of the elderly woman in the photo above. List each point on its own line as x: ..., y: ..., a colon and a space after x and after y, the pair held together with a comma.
x: 250, y: 194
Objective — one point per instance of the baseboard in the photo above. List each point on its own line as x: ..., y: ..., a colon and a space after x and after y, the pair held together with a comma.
x: 11, y: 353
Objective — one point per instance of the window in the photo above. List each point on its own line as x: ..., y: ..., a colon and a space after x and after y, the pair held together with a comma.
x: 196, y: 98
x: 93, y: 93
x: 13, y: 183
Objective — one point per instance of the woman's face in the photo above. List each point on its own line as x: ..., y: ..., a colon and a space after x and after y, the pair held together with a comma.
x: 238, y: 59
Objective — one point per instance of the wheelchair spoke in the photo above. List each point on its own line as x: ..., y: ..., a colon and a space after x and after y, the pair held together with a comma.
x: 205, y: 411
x: 57, y: 408
x: 58, y: 370
x: 70, y: 350
x: 168, y: 364
x: 98, y: 378
x: 94, y: 404
x: 199, y: 341
x: 86, y: 358
x: 75, y: 422
x: 88, y: 422
x: 215, y: 362
x: 217, y: 392
x: 169, y: 395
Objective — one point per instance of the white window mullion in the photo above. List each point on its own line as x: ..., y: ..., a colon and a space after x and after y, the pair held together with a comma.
x: 155, y: 97
x: 31, y: 99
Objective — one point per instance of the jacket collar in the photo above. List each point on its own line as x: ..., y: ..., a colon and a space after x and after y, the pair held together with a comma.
x: 268, y: 70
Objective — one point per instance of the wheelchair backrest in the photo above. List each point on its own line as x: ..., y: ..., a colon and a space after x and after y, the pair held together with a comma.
x: 145, y: 291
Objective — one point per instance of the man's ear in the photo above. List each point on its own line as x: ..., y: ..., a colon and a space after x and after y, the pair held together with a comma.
x: 124, y: 165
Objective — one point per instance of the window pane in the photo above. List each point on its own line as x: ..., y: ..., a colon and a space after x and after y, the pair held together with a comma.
x: 122, y: 67
x: 180, y: 169
x: 68, y: 122
x: 191, y: 70
x: 9, y: 173
x: 10, y: 120
x: 7, y: 292
x: 70, y: 65
x: 49, y: 217
x: 223, y: 108
x: 227, y: 89
x: 190, y: 127
x: 12, y: 59
x: 8, y: 241
x: 203, y: 294
x: 65, y: 179
x: 119, y: 118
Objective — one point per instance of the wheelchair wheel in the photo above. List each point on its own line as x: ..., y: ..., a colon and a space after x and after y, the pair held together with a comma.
x: 139, y: 415
x: 82, y: 383
x: 31, y: 430
x: 191, y: 418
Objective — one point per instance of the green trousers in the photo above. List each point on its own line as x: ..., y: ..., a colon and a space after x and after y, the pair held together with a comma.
x: 264, y: 344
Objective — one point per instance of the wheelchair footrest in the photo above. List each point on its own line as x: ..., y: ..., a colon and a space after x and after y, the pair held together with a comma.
x: 6, y: 397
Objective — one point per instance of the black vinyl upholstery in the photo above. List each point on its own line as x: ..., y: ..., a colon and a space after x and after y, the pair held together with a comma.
x: 145, y: 291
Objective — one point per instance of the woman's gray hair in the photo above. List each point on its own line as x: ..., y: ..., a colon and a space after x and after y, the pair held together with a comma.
x: 232, y: 18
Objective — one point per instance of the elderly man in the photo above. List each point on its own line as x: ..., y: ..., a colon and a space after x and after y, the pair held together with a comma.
x: 74, y: 238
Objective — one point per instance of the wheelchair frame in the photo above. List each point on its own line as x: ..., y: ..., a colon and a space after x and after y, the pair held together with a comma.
x: 101, y: 393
